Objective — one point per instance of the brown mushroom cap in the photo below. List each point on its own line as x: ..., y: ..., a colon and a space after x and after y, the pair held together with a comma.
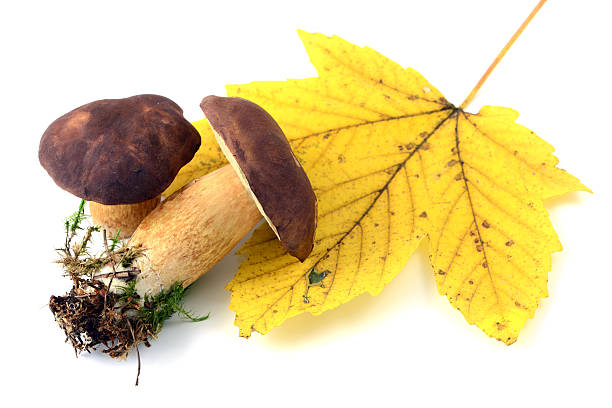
x: 261, y: 155
x: 119, y: 151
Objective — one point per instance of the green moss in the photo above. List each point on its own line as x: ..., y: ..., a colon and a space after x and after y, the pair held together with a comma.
x: 90, y: 314
x: 155, y: 310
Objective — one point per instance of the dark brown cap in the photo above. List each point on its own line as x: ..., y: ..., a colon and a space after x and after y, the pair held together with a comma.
x: 119, y: 151
x: 261, y: 155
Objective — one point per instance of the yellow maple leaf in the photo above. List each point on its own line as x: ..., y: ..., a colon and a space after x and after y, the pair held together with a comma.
x: 392, y: 161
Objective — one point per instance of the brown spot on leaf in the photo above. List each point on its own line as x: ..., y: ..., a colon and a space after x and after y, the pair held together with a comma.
x: 509, y: 243
x: 459, y: 176
x: 441, y: 272
x: 485, y: 264
x: 471, y: 282
x: 423, y: 214
x: 485, y: 224
x: 451, y: 163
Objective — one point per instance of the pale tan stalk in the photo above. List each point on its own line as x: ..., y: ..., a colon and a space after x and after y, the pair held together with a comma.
x: 501, y: 54
x: 193, y: 230
x: 122, y: 217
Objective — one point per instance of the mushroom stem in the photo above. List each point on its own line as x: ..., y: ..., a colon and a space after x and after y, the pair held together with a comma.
x: 121, y: 217
x: 193, y: 230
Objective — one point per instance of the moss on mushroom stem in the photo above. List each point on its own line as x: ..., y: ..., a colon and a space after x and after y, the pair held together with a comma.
x: 92, y: 316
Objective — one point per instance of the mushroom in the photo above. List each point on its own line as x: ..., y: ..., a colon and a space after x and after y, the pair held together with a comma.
x: 119, y: 154
x: 125, y: 303
x: 197, y: 226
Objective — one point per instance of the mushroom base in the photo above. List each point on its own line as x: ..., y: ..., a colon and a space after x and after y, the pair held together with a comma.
x: 124, y: 218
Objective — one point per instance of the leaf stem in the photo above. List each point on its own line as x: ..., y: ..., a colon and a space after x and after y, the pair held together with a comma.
x: 502, y: 53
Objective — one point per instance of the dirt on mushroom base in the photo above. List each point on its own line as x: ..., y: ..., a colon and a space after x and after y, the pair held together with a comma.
x: 90, y: 314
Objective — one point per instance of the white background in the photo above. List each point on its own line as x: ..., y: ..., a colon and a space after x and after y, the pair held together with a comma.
x: 407, y: 346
